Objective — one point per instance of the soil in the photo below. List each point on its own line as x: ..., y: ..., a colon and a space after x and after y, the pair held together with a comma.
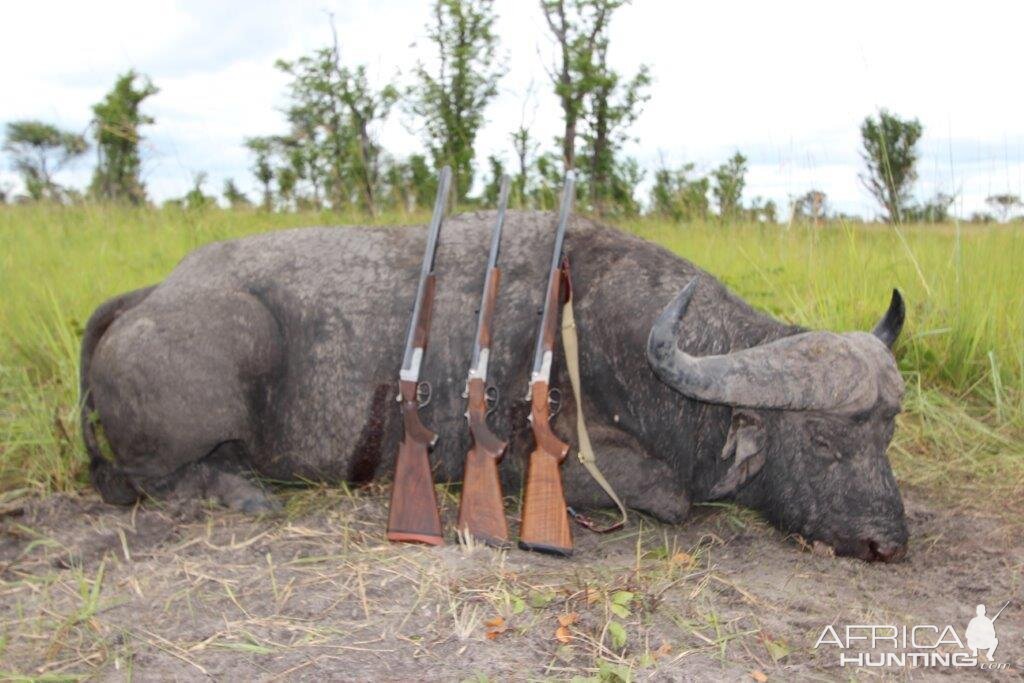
x: 175, y: 592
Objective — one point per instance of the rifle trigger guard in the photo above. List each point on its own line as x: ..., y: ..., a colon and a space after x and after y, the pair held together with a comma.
x: 424, y: 392
x: 554, y: 402
x: 491, y: 399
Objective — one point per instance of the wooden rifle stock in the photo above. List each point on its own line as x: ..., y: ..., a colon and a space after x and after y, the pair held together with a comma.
x: 413, y: 515
x: 482, y: 508
x: 545, y: 526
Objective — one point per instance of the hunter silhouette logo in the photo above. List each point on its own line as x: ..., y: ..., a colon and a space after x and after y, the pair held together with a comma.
x: 918, y: 645
x: 981, y: 632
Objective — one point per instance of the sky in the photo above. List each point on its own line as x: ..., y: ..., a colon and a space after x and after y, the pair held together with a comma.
x: 787, y: 83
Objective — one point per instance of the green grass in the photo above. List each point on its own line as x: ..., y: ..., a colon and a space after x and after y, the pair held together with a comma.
x: 962, y: 351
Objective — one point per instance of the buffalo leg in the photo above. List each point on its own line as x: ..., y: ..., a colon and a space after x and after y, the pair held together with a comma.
x: 222, y: 477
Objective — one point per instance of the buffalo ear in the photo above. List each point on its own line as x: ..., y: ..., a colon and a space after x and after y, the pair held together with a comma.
x: 746, y: 441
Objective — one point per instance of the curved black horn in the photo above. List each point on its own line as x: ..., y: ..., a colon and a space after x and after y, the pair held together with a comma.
x: 889, y: 327
x: 808, y: 371
x: 661, y: 342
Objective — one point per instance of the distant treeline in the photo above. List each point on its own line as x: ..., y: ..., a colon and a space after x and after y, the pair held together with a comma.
x: 331, y: 157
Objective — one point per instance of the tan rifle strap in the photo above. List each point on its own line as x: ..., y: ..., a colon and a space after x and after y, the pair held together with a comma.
x: 585, y: 453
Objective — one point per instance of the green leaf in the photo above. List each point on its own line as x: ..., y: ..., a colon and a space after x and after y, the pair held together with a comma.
x: 620, y: 611
x: 777, y: 649
x: 622, y: 598
x: 613, y: 673
x: 618, y: 634
x: 540, y: 599
x: 518, y: 604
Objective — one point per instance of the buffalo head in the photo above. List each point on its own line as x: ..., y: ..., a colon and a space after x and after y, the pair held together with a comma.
x: 812, y: 416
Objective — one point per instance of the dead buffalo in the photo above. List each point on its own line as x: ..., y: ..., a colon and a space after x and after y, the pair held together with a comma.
x: 279, y: 354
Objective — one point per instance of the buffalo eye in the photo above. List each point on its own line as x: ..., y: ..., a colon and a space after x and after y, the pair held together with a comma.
x: 824, y: 434
x: 825, y: 449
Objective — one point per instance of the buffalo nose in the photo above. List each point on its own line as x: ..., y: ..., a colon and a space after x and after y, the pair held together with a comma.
x: 880, y: 551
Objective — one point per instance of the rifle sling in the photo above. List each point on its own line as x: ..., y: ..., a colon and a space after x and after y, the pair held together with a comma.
x: 585, y: 453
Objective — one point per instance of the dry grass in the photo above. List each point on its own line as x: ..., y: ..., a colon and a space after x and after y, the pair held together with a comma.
x: 87, y: 591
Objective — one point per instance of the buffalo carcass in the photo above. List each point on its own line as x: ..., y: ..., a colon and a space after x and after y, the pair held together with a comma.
x: 278, y: 354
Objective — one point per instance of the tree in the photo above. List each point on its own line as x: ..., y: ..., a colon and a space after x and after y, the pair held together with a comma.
x: 333, y: 113
x: 365, y: 107
x: 287, y: 179
x: 548, y: 181
x: 452, y: 100
x: 492, y: 190
x: 235, y: 198
x: 812, y: 206
x: 763, y: 211
x: 40, y: 150
x: 675, y: 195
x: 422, y: 180
x: 116, y: 125
x: 618, y: 194
x: 1003, y: 204
x: 195, y: 198
x: 730, y: 179
x: 612, y: 106
x: 578, y: 26
x: 524, y: 146
x: 935, y: 210
x: 890, y: 154
x: 263, y: 149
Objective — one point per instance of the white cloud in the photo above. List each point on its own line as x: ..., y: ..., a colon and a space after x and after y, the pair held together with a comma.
x: 786, y: 83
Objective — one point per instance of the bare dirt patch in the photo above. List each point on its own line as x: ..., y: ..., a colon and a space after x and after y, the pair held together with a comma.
x: 165, y: 592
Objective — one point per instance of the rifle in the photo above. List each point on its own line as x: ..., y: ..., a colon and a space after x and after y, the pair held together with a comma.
x: 413, y: 516
x: 481, y: 508
x: 545, y: 526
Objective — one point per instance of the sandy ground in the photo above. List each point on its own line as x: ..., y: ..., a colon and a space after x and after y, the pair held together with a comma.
x: 185, y: 592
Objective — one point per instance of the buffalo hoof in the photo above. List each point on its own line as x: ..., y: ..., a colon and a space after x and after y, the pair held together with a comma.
x: 262, y: 505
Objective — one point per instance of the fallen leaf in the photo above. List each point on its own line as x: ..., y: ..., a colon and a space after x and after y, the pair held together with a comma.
x: 495, y: 627
x: 681, y: 559
x: 593, y: 595
x: 563, y: 635
x: 568, y: 619
x: 776, y: 647
x: 759, y: 676
x: 662, y: 650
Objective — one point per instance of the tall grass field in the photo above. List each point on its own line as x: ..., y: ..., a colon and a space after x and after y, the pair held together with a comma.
x: 961, y: 353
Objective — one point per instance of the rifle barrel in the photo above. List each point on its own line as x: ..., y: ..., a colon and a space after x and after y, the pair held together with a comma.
x: 540, y: 372
x: 413, y: 354
x: 476, y: 368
